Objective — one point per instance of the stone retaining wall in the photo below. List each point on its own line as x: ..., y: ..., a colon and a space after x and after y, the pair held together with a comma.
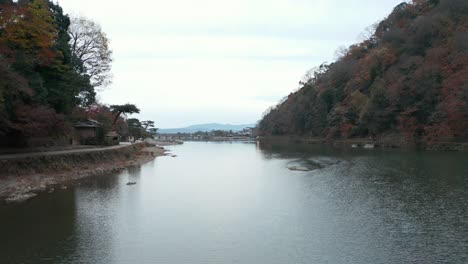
x: 62, y: 162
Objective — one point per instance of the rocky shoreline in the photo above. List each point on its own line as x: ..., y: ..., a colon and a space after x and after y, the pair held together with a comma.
x: 50, y: 174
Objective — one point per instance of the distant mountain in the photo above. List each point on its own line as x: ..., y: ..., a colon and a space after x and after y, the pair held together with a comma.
x: 205, y: 128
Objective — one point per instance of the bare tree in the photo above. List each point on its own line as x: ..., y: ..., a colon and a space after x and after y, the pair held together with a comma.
x: 341, y: 52
x: 90, y: 48
x: 368, y: 33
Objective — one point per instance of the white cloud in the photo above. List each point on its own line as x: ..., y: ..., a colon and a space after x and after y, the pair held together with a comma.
x: 185, y: 61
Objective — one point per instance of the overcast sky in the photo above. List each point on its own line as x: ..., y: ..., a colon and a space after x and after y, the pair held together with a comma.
x: 187, y: 62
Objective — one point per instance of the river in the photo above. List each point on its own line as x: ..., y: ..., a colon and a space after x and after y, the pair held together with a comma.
x: 239, y: 203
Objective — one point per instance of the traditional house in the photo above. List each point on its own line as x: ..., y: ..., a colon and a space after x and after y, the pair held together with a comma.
x: 87, y: 132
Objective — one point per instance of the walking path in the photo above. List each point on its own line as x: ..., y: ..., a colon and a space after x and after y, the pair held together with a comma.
x: 59, y: 152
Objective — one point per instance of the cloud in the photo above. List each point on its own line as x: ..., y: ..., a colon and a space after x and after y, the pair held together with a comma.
x: 185, y: 61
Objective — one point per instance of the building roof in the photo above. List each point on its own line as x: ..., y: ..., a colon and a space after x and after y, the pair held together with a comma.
x: 88, y: 123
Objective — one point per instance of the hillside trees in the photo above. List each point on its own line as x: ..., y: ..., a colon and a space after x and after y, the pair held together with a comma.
x: 40, y: 84
x: 50, y: 66
x: 408, y: 78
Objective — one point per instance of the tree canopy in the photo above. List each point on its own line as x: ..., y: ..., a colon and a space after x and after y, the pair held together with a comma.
x: 409, y: 78
x: 42, y: 77
x: 90, y: 49
x: 125, y: 109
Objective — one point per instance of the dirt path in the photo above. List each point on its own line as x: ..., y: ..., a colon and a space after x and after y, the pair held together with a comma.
x: 59, y: 152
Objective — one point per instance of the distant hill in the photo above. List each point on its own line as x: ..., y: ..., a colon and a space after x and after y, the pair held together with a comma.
x: 205, y: 128
x: 409, y: 79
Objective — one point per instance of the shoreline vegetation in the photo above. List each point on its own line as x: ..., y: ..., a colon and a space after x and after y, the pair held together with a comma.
x: 51, y: 67
x: 406, y: 77
x: 52, y: 127
x: 26, y: 177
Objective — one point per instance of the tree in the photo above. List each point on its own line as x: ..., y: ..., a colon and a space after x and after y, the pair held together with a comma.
x: 134, y: 127
x: 408, y: 75
x: 42, y: 82
x: 369, y: 33
x: 104, y: 115
x: 153, y: 130
x: 39, y: 121
x: 147, y: 124
x: 28, y: 31
x: 90, y: 49
x: 133, y: 123
x: 12, y: 86
x: 62, y: 77
x: 138, y: 129
x: 125, y: 109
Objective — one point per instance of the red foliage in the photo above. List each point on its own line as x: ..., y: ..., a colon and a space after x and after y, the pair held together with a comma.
x: 332, y: 133
x: 454, y: 93
x: 104, y: 115
x: 437, y: 132
x: 389, y: 57
x: 39, y: 121
x: 28, y: 28
x: 408, y: 123
x: 346, y: 129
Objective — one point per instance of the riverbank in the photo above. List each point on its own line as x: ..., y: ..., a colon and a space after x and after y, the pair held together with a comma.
x: 24, y: 177
x: 382, y: 142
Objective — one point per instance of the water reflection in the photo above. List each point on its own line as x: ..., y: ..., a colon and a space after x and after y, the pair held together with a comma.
x: 411, y: 202
x: 95, y: 234
x: 134, y: 172
x: 38, y: 231
x: 100, y: 183
x: 239, y: 203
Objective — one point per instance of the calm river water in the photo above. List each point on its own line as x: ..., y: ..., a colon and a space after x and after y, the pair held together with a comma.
x: 238, y: 203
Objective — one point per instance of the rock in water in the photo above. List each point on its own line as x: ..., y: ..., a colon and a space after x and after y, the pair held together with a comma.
x: 131, y: 183
x: 19, y: 198
x: 304, y: 165
x: 298, y: 168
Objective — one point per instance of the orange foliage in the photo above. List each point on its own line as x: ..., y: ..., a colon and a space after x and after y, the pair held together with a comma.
x: 410, y: 77
x: 29, y: 28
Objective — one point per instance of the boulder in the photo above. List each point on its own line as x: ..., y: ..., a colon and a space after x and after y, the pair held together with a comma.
x: 299, y: 168
x: 304, y: 165
x: 18, y: 198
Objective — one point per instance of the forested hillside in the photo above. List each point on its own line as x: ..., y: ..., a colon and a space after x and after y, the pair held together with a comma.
x: 408, y: 78
x: 50, y: 67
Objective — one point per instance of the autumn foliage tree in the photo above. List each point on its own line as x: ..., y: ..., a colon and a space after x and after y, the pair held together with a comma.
x: 39, y: 83
x: 28, y: 31
x: 410, y: 78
